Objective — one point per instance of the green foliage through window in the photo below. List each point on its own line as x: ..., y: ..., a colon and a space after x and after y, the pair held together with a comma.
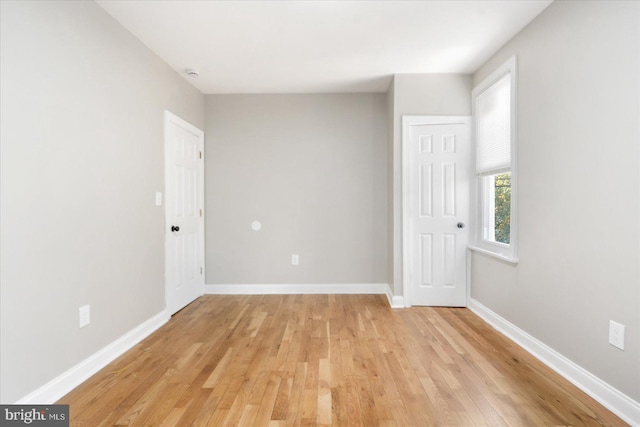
x: 503, y: 208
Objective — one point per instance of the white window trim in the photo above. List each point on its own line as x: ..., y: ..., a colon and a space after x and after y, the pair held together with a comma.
x: 501, y: 251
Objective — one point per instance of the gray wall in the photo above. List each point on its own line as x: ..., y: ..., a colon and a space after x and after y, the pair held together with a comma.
x: 578, y: 133
x: 82, y: 104
x: 418, y: 94
x: 313, y: 170
x: 391, y: 114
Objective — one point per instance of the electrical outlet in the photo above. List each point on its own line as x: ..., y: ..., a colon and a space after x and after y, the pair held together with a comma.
x: 295, y: 259
x: 85, y: 315
x: 616, y: 334
x: 158, y: 198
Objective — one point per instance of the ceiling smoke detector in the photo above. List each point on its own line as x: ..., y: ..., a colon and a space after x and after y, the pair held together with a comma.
x: 192, y: 73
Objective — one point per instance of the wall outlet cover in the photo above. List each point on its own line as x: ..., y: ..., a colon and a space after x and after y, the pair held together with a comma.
x: 85, y: 315
x: 616, y: 334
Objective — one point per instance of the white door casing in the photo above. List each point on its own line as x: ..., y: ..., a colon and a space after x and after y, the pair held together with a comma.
x: 436, y: 199
x: 184, y: 212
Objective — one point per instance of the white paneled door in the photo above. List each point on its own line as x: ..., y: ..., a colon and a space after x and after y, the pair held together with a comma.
x: 184, y: 212
x: 436, y: 154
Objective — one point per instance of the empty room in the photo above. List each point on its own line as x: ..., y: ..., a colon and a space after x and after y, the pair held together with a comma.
x: 320, y: 213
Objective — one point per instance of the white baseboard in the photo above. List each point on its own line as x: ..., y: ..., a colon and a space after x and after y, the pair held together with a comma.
x: 614, y: 400
x: 67, y: 381
x: 395, y: 301
x: 294, y: 289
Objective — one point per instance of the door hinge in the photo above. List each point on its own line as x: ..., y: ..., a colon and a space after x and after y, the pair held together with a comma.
x: 201, y: 270
x: 201, y: 154
x: 200, y: 213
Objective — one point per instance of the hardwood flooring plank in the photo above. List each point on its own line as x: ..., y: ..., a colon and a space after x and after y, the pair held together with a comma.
x: 220, y: 368
x: 324, y: 392
x: 172, y: 419
x: 294, y: 415
x: 266, y: 406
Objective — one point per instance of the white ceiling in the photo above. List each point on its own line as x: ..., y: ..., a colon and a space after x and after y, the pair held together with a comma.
x: 320, y: 46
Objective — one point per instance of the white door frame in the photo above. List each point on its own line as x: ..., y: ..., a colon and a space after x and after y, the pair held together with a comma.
x: 407, y: 122
x: 170, y: 117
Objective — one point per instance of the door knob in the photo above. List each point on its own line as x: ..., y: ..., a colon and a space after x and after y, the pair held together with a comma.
x: 175, y: 228
x: 461, y: 225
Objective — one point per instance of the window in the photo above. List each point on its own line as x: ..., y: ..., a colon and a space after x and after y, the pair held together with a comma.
x: 494, y: 119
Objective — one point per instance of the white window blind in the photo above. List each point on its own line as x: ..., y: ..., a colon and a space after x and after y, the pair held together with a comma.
x: 493, y: 132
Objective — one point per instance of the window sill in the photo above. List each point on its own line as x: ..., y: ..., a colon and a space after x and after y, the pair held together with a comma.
x: 494, y: 254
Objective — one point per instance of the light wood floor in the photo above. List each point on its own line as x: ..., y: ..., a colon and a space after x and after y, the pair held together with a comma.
x: 316, y: 360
